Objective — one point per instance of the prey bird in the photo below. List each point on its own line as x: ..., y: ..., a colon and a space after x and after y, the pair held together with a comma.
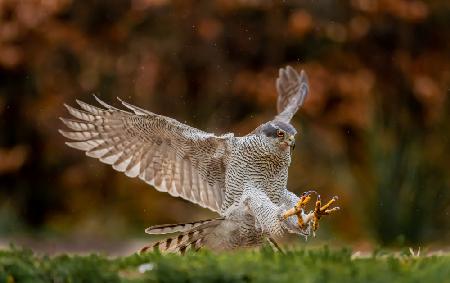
x: 243, y: 179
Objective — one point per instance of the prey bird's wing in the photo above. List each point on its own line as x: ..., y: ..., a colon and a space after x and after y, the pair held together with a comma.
x: 292, y: 90
x: 169, y: 155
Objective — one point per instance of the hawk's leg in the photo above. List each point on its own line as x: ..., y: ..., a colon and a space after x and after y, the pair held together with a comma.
x: 267, y: 215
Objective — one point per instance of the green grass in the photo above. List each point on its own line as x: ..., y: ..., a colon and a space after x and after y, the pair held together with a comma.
x: 318, y: 265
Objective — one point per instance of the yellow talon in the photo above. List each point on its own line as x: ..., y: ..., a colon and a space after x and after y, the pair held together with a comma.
x: 320, y: 210
x: 314, y: 215
x: 298, y: 208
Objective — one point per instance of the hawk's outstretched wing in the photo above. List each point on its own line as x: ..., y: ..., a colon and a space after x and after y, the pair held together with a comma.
x: 165, y: 153
x: 292, y: 90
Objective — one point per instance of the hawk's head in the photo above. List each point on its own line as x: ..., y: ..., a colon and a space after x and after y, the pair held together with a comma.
x: 282, y: 133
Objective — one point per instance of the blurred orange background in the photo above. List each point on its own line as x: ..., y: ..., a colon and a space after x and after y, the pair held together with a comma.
x: 374, y: 129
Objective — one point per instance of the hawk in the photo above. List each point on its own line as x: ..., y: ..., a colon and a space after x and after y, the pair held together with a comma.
x: 243, y: 179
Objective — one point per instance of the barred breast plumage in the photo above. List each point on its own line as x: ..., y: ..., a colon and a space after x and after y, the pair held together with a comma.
x: 255, y: 161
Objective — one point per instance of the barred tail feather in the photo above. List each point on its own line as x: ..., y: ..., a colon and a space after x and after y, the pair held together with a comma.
x: 177, y: 228
x: 191, y: 239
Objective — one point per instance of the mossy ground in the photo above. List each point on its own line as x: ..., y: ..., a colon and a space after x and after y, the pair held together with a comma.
x: 317, y: 265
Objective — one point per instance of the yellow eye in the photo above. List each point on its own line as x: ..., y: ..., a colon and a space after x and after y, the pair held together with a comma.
x: 280, y: 133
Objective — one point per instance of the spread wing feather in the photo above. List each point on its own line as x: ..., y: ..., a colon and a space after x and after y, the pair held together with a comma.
x: 169, y: 155
x: 292, y: 90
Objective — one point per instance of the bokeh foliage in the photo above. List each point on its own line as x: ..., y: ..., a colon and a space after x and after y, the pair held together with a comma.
x: 375, y: 129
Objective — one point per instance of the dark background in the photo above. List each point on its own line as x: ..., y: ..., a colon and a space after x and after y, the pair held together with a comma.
x: 374, y: 130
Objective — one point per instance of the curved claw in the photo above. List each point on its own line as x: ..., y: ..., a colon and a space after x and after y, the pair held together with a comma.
x: 309, y: 193
x: 320, y: 210
x: 328, y: 211
x: 315, y: 215
x: 297, y: 209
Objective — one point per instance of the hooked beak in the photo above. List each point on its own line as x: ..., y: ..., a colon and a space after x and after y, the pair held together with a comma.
x: 290, y: 141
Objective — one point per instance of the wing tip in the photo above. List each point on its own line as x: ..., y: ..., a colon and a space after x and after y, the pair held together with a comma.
x: 67, y: 106
x: 292, y: 70
x: 79, y: 102
x: 289, y: 68
x: 304, y: 77
x: 73, y: 145
x: 63, y: 133
x: 104, y: 104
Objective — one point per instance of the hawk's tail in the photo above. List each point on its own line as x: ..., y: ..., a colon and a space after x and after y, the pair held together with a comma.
x: 176, y: 228
x: 191, y: 235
